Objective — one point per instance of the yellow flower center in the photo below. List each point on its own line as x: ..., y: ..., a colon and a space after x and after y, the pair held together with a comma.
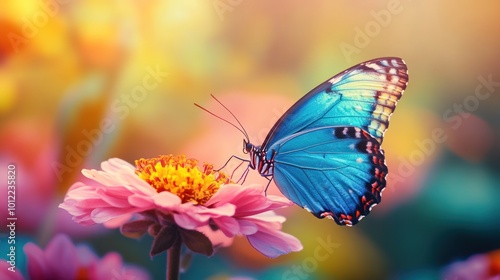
x: 180, y: 176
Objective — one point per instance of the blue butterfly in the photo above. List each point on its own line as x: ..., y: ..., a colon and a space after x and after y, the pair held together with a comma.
x: 324, y: 153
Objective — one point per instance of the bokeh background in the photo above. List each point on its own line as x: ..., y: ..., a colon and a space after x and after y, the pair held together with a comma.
x: 123, y: 76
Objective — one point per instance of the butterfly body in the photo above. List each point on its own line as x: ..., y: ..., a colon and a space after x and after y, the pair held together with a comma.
x: 324, y: 153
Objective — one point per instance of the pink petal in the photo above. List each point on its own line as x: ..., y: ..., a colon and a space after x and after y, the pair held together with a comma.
x: 5, y: 273
x: 59, y: 260
x: 116, y: 194
x: 111, y: 267
x: 84, y: 220
x: 99, y: 176
x: 274, y: 243
x: 247, y: 227
x: 102, y: 215
x: 228, y: 225
x: 270, y: 216
x: 230, y: 192
x: 110, y: 262
x: 114, y: 201
x: 255, y: 218
x: 190, y: 216
x: 223, y: 210
x: 250, y: 200
x: 116, y: 165
x: 61, y: 257
x: 218, y: 238
x: 36, y: 260
x: 187, y: 221
x: 76, y: 186
x: 141, y: 201
x: 124, y: 174
x: 118, y: 221
x: 115, y: 191
x: 86, y: 257
x: 89, y: 203
x: 167, y: 200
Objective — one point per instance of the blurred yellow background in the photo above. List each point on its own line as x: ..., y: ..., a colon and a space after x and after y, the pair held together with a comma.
x: 84, y: 81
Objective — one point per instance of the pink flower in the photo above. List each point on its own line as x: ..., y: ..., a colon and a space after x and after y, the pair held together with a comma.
x: 62, y: 260
x: 177, y: 202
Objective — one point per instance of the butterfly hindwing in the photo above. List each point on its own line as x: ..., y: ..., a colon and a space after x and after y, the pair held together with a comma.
x: 364, y: 96
x: 336, y: 172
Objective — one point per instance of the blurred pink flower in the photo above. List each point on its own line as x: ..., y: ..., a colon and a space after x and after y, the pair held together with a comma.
x: 177, y: 200
x: 7, y: 274
x: 62, y: 260
x: 481, y: 266
x: 30, y: 145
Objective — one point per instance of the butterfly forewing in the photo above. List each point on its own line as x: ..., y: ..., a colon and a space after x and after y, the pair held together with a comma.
x: 364, y: 95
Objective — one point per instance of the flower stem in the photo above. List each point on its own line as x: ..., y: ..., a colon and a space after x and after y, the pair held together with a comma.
x: 173, y: 260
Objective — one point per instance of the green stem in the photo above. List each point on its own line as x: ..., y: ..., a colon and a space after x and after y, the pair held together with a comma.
x: 174, y: 260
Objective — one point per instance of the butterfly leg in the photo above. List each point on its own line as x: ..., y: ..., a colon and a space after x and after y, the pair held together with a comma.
x: 234, y: 170
x: 243, y: 177
x: 244, y: 174
x: 227, y: 162
x: 269, y: 179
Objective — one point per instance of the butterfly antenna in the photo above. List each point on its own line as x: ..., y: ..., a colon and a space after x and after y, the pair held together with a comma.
x: 235, y: 118
x: 241, y: 128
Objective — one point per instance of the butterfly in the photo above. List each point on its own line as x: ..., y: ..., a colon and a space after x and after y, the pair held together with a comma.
x: 324, y: 153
